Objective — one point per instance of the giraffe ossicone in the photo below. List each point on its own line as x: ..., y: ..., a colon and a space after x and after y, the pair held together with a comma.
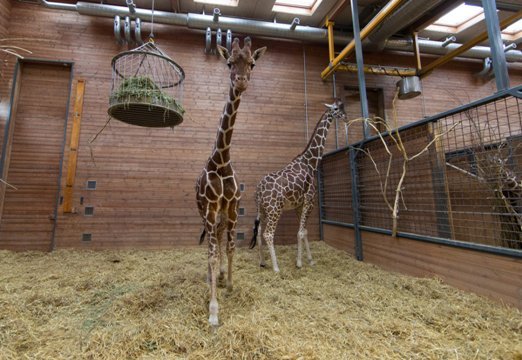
x: 217, y: 188
x: 292, y: 187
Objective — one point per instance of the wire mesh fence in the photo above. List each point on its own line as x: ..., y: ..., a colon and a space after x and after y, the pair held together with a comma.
x: 465, y: 186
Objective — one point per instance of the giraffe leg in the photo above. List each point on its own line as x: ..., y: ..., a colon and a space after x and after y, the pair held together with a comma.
x: 300, y: 237
x: 213, y: 264
x: 231, y: 238
x: 307, y: 210
x: 222, y: 249
x: 307, y: 246
x: 262, y: 262
x: 302, y: 234
x: 299, y: 263
x: 268, y: 235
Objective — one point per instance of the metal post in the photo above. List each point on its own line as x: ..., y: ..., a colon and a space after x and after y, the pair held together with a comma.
x: 334, y: 94
x: 355, y: 204
x: 360, y: 67
x: 496, y: 45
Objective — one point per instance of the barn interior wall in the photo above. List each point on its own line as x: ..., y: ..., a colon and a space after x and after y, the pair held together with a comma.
x: 145, y: 177
x: 490, y: 275
x: 5, y: 69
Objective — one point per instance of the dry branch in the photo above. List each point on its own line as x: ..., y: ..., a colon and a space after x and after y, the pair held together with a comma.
x: 7, y: 184
x: 395, y: 136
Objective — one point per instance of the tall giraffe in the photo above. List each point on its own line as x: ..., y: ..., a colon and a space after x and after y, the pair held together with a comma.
x: 293, y: 187
x: 217, y: 190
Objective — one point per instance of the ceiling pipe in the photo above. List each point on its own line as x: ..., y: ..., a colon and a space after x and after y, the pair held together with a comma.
x: 406, y: 14
x: 486, y: 69
x: 219, y: 39
x: 294, y: 23
x: 264, y: 28
x: 208, y: 41
x: 449, y: 40
x: 137, y: 31
x: 117, y: 30
x: 229, y: 40
x: 127, y: 30
x: 131, y: 6
x: 216, y: 14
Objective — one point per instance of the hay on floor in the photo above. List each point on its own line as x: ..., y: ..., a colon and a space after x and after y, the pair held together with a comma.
x: 153, y: 305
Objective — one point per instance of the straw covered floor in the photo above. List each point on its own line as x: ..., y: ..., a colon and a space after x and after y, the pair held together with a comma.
x: 154, y: 305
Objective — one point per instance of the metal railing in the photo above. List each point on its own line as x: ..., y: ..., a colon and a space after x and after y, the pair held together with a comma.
x: 464, y: 191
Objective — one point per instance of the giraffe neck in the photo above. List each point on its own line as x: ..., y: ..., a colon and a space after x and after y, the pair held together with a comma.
x: 314, y: 150
x: 221, y: 153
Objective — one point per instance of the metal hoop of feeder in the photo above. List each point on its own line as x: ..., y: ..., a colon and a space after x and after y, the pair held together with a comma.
x: 147, y: 88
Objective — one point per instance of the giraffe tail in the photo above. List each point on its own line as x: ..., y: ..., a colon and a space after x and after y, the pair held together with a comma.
x: 254, y: 238
x: 202, y: 237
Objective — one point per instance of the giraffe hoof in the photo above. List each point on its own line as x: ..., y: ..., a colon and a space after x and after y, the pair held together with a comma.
x: 230, y: 288
x: 262, y: 265
x: 312, y: 263
x: 213, y: 321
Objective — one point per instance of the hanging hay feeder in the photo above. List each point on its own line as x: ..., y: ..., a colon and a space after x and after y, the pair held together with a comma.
x: 147, y: 88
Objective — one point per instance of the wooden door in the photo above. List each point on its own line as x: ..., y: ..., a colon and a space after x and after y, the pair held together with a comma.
x: 34, y: 157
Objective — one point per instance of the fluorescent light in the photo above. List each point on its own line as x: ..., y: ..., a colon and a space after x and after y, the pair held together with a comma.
x: 219, y: 2
x: 460, y: 15
x: 296, y: 7
x: 513, y: 28
x: 297, y: 3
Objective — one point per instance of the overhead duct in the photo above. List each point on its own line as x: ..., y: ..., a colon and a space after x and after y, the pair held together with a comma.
x: 436, y: 48
x: 407, y: 14
x: 264, y: 28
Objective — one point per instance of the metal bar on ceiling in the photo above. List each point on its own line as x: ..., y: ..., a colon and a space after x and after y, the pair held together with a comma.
x: 468, y: 45
x: 495, y: 43
x: 360, y: 67
x: 378, y: 69
x: 331, y: 45
x: 371, y: 26
x: 416, y: 51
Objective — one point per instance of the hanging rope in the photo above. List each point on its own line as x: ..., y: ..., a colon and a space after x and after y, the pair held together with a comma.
x: 151, y: 36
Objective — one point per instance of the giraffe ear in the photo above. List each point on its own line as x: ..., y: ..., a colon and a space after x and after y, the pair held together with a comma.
x: 328, y: 106
x: 258, y: 53
x: 223, y: 51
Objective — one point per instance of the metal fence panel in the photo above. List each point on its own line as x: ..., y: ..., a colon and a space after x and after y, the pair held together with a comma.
x: 467, y: 185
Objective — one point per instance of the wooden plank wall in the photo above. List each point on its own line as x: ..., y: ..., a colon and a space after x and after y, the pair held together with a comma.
x: 5, y: 13
x: 27, y: 221
x: 145, y: 177
x: 5, y: 70
x: 494, y: 276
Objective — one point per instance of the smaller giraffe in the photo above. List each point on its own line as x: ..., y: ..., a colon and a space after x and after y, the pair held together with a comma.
x: 293, y: 187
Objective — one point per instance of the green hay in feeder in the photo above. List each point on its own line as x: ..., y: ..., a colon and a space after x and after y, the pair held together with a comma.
x: 141, y: 89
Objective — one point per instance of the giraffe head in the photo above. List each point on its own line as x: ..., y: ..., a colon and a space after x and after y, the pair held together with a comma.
x: 337, y: 109
x: 240, y: 62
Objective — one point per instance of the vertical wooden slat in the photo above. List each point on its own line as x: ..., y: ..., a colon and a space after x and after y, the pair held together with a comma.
x: 73, y: 147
